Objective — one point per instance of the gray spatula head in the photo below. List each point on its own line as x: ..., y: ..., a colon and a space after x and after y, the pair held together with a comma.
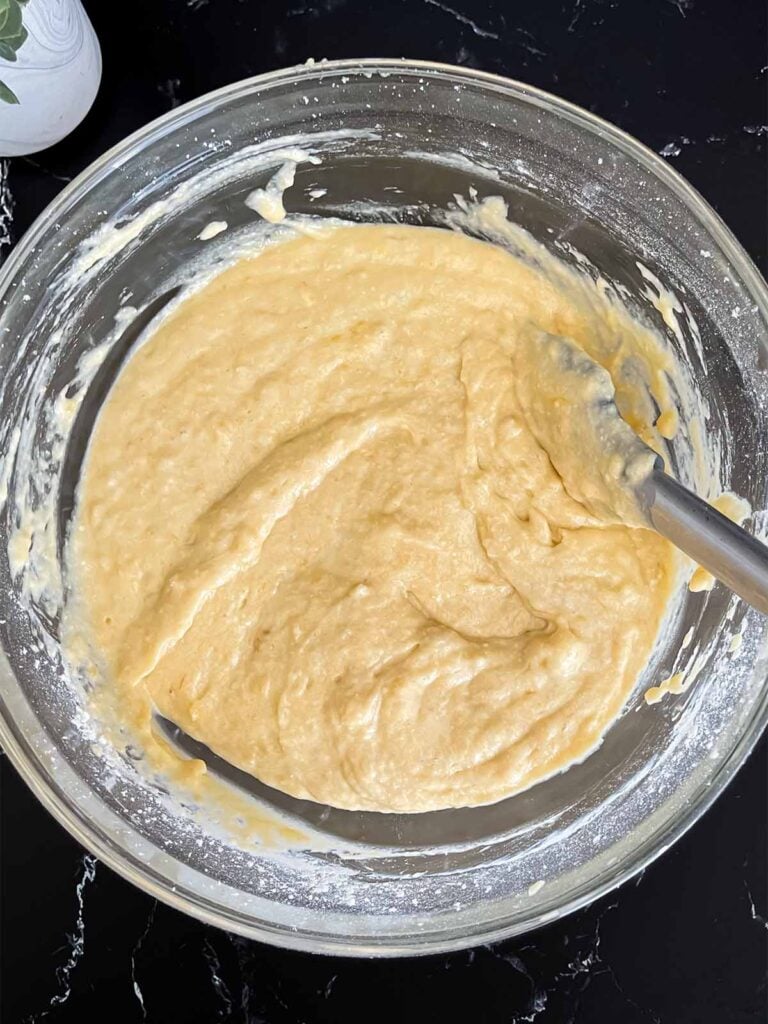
x: 570, y: 404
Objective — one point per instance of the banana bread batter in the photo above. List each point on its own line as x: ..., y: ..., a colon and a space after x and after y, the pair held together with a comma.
x: 317, y: 531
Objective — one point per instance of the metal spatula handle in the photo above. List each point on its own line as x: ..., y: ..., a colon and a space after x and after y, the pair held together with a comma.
x: 710, y: 538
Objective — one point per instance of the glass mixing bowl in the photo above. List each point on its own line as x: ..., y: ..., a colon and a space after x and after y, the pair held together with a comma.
x: 396, y: 140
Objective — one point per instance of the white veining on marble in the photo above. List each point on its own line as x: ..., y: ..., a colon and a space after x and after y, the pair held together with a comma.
x: 135, y: 953
x: 6, y: 206
x: 527, y: 41
x: 65, y: 178
x: 75, y: 939
x: 683, y: 6
x: 675, y: 146
x: 560, y: 994
x: 759, y: 918
x: 578, y: 7
x: 220, y: 987
x: 538, y: 998
x: 484, y: 33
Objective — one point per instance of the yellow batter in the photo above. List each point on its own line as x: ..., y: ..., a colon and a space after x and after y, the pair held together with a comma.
x: 317, y: 531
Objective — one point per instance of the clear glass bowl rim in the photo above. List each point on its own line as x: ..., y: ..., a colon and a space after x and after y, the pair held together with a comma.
x: 35, y: 774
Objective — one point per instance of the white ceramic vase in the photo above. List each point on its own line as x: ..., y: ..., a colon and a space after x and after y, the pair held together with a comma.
x: 50, y: 69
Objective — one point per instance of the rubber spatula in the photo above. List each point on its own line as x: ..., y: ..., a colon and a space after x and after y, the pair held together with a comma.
x: 569, y: 403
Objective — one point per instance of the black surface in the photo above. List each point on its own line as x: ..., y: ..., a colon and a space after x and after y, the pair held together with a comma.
x: 684, y: 944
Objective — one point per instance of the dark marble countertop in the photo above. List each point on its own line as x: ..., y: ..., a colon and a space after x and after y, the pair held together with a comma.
x: 684, y: 943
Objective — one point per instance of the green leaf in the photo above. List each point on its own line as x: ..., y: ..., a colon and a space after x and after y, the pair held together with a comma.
x: 7, y: 95
x: 15, y: 42
x: 22, y: 2
x: 7, y: 52
x: 12, y: 24
x: 5, y: 6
